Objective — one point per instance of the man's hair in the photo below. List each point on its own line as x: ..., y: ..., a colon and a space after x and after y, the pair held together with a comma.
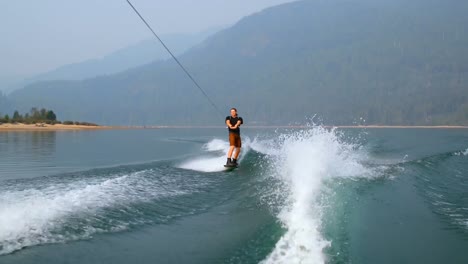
x: 234, y: 109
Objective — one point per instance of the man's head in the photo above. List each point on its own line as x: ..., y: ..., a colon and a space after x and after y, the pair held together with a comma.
x: 233, y: 112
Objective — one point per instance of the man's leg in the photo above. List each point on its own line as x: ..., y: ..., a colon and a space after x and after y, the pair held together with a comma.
x: 236, y: 154
x: 238, y: 145
x: 231, y: 150
x: 229, y: 155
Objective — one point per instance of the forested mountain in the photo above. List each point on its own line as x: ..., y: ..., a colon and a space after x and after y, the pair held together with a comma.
x: 135, y: 55
x: 5, y: 106
x: 389, y: 62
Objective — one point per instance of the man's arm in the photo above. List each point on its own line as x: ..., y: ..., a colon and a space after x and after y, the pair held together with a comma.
x: 237, y: 124
x: 228, y: 123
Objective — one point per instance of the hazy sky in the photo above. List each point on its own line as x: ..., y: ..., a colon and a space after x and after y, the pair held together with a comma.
x: 37, y: 36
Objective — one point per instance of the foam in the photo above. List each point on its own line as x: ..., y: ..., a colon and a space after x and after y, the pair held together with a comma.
x: 304, y: 160
x: 459, y: 153
x: 36, y: 216
x: 267, y: 147
x: 216, y: 145
x: 205, y: 164
x: 210, y: 163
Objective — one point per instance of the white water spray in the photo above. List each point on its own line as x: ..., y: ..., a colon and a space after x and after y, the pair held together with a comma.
x: 210, y: 163
x: 304, y: 160
x: 33, y: 216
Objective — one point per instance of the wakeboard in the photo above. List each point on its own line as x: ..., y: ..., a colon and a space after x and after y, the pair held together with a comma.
x: 230, y: 167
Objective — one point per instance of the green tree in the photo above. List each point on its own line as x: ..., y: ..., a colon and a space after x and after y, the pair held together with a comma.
x: 43, y: 114
x: 51, y: 116
x: 7, y: 118
x: 35, y: 114
x: 16, y: 116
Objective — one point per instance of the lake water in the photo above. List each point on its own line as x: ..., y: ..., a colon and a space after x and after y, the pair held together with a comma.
x: 299, y: 196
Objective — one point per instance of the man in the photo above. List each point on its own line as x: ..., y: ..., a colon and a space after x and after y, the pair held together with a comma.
x: 234, y: 122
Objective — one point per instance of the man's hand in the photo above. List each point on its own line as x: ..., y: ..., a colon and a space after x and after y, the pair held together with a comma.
x: 237, y: 124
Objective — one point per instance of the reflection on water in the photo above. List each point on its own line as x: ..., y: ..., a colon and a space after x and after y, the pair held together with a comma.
x: 37, y: 144
x: 18, y: 148
x: 38, y: 154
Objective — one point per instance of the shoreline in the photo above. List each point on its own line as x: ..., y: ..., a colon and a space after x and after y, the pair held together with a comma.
x: 61, y: 127
x: 47, y: 127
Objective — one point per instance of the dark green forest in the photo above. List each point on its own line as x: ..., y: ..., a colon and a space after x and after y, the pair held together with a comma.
x: 34, y: 116
x: 387, y: 62
x: 38, y: 116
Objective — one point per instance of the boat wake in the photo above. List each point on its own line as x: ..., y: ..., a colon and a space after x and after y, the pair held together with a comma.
x: 301, y: 162
x: 76, y: 206
x: 214, y: 158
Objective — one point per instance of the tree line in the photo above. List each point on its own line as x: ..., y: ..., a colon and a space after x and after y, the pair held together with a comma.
x: 36, y: 115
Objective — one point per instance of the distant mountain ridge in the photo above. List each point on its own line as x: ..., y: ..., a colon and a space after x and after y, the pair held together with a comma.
x: 386, y: 62
x: 132, y: 56
x: 126, y: 58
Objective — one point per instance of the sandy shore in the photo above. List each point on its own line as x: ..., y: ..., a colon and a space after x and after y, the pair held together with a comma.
x: 46, y: 127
